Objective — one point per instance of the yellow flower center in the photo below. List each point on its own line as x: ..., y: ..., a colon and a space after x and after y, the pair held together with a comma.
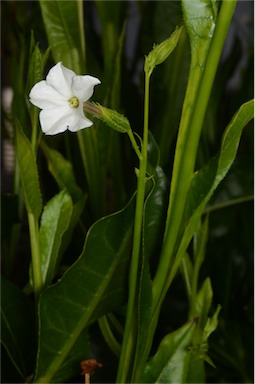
x: 74, y: 102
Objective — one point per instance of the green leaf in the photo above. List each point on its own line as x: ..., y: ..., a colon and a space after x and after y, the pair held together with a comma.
x: 208, y: 178
x: 203, y: 302
x: 37, y: 61
x: 62, y: 171
x: 63, y: 23
x: 211, y: 324
x: 170, y: 364
x: 91, y: 288
x: 28, y: 172
x: 17, y: 328
x: 54, y: 223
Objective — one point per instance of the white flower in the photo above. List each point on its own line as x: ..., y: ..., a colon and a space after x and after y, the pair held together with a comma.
x: 61, y: 97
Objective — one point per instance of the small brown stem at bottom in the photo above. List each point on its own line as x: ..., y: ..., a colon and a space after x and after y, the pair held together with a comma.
x: 87, y: 378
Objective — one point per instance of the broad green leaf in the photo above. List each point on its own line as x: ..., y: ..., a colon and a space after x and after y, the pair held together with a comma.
x: 91, y: 288
x: 63, y: 24
x: 28, y: 172
x: 17, y: 328
x: 54, y: 223
x: 170, y: 364
x: 62, y: 171
x: 71, y: 365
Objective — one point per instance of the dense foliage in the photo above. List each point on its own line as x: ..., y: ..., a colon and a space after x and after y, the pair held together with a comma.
x: 141, y: 259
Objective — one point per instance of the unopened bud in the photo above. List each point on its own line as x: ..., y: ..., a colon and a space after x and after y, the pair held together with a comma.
x: 114, y: 119
x: 160, y: 52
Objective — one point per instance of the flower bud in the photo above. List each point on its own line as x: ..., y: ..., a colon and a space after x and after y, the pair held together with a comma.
x: 114, y: 119
x: 160, y: 52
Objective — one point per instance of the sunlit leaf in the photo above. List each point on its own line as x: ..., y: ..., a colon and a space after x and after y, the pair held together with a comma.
x: 54, y: 223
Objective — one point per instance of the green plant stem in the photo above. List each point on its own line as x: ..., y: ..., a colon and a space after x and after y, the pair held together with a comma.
x: 35, y: 253
x: 130, y: 332
x: 229, y: 203
x: 186, y: 153
x: 108, y: 335
x: 133, y: 142
x: 199, y: 252
x: 184, y: 162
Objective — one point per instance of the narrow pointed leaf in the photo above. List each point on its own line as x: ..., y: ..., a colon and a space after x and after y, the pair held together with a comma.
x: 54, y: 223
x: 91, y: 288
x: 28, y: 172
x: 208, y: 178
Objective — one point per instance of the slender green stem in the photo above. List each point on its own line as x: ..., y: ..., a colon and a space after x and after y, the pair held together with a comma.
x: 194, y: 108
x: 35, y: 252
x: 200, y: 241
x: 186, y: 151
x: 133, y: 142
x: 130, y: 332
x: 108, y: 335
x: 229, y: 203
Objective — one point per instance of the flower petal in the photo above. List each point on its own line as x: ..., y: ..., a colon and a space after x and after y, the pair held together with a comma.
x: 78, y: 121
x: 44, y: 96
x: 83, y: 86
x: 57, y: 120
x: 60, y: 78
x: 51, y: 120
